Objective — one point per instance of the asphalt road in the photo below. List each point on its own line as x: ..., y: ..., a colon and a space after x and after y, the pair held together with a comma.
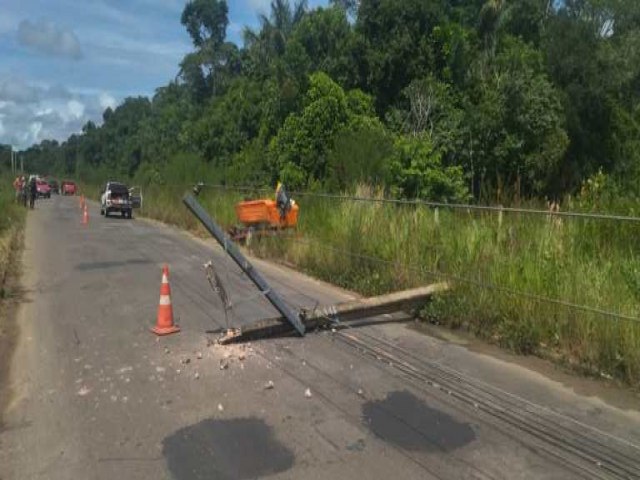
x: 96, y: 395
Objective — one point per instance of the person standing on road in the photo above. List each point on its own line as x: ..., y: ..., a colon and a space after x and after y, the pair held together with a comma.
x: 18, y: 186
x: 33, y: 192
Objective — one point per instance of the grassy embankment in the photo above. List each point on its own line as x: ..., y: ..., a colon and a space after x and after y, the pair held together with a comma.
x: 11, y: 227
x: 585, y: 262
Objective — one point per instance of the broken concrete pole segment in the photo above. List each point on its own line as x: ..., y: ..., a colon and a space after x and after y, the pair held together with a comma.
x: 232, y: 250
x: 343, y: 312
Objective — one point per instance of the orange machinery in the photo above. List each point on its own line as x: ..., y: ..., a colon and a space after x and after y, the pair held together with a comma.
x: 265, y: 213
x: 263, y: 216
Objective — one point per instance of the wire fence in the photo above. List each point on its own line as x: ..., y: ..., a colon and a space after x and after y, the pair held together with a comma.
x: 469, y: 281
x: 479, y: 283
x: 452, y: 206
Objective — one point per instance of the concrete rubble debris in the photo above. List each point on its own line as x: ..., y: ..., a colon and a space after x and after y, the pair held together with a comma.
x: 307, y: 393
x: 224, y: 364
x: 199, y: 355
x: 196, y: 376
x: 220, y: 407
x: 269, y: 385
x: 83, y: 391
x: 186, y: 361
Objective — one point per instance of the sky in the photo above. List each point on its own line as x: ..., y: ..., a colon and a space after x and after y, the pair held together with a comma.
x: 64, y: 61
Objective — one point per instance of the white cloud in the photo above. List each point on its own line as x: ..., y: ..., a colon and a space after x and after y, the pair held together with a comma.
x: 47, y: 37
x: 75, y: 108
x: 107, y: 101
x: 13, y: 89
x: 34, y: 129
x: 53, y: 112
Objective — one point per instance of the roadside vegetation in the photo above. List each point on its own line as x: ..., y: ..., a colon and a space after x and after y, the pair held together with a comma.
x: 11, y: 228
x: 12, y: 218
x: 509, y: 270
x: 486, y: 102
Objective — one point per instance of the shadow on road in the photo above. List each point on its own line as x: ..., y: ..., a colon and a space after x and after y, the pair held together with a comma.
x: 406, y: 421
x: 239, y: 448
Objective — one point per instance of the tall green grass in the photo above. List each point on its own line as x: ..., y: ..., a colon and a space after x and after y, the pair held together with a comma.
x: 497, y: 263
x: 12, y: 218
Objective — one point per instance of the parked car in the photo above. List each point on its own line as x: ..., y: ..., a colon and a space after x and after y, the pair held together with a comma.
x: 68, y: 188
x: 55, y: 188
x: 43, y: 189
x: 115, y: 198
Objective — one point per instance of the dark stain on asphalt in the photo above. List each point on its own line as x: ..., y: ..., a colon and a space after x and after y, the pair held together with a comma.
x: 239, y: 448
x: 104, y: 265
x: 406, y: 421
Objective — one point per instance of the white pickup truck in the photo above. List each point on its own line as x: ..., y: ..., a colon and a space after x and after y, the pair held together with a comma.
x: 116, y: 198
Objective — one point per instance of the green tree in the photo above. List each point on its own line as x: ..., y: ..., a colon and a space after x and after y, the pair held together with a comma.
x: 206, y: 21
x: 395, y: 38
x: 417, y: 172
x: 515, y: 121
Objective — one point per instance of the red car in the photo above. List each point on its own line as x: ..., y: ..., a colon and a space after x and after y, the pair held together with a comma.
x: 43, y: 189
x: 68, y: 188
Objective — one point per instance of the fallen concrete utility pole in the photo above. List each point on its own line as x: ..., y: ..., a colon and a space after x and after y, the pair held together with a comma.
x: 288, y: 315
x: 340, y: 313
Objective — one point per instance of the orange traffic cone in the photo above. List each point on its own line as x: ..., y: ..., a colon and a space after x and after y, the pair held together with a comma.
x: 85, y: 216
x: 164, y: 323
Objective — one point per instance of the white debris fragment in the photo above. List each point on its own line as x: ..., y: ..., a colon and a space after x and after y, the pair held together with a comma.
x: 160, y: 369
x: 224, y: 364
x: 178, y: 371
x: 199, y: 355
x: 269, y: 385
x: 360, y: 392
x: 220, y: 408
x: 83, y: 391
x: 114, y: 398
x: 196, y: 375
x: 307, y: 393
x: 125, y: 399
x: 166, y: 350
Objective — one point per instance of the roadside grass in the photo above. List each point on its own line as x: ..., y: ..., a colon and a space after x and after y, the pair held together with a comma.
x: 508, y: 270
x: 12, y: 218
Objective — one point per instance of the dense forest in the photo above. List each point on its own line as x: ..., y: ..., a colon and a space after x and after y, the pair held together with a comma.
x: 451, y: 100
